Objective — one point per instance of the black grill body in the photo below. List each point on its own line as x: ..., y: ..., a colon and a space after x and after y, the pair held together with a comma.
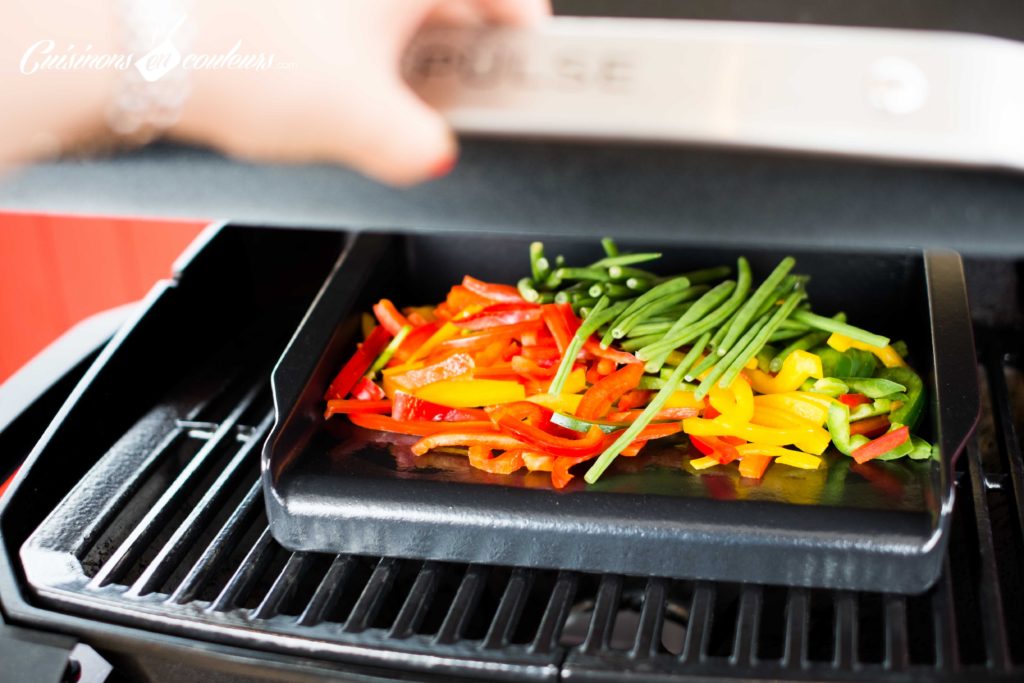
x: 177, y: 576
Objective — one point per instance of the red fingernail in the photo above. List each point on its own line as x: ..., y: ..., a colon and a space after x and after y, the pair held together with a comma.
x: 443, y: 167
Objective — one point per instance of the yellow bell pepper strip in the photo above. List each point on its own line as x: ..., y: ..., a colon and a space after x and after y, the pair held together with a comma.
x: 736, y: 403
x: 576, y: 382
x: 886, y: 354
x: 798, y: 367
x: 748, y: 449
x: 810, y: 407
x: 538, y: 462
x: 767, y: 416
x: 703, y: 463
x: 565, y: 403
x: 443, y: 334
x: 810, y: 440
x: 471, y: 393
x: 679, y: 399
x: 803, y: 461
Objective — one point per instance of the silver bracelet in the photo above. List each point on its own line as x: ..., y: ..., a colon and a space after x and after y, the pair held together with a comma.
x: 152, y: 89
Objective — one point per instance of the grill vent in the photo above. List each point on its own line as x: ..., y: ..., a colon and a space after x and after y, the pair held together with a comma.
x: 191, y: 545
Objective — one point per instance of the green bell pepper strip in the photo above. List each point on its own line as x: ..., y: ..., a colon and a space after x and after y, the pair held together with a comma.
x: 904, y: 448
x: 830, y: 386
x: 838, y: 424
x: 880, y: 406
x: 389, y: 351
x: 872, y: 387
x: 909, y: 413
x: 922, y: 450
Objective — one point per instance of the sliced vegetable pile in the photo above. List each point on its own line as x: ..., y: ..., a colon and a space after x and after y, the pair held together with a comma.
x: 590, y: 363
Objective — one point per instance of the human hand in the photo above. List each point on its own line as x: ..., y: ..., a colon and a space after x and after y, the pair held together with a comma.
x: 343, y: 99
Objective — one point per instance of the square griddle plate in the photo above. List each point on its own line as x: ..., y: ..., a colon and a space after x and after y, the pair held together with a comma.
x: 340, y: 488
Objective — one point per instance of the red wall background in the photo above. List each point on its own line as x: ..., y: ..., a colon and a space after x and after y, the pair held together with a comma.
x: 57, y: 270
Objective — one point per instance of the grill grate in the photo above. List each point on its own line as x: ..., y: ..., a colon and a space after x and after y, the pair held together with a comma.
x: 190, y: 552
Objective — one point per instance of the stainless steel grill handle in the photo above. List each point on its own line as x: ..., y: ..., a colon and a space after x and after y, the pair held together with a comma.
x: 929, y: 96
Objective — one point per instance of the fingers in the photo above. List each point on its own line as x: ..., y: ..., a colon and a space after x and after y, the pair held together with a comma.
x: 515, y: 12
x: 399, y: 139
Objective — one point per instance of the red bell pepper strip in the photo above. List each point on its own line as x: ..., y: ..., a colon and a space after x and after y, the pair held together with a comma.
x: 531, y: 369
x: 389, y: 317
x: 408, y: 407
x: 483, y: 339
x: 494, y: 292
x: 414, y: 340
x: 710, y: 412
x: 854, y: 400
x: 509, y: 418
x: 634, y: 448
x: 882, y: 444
x: 493, y: 440
x: 338, y: 406
x: 871, y: 426
x: 599, y: 398
x: 636, y: 398
x: 383, y: 423
x: 663, y: 415
x: 560, y: 475
x: 358, y: 364
x: 716, y: 448
x: 592, y: 347
x: 542, y: 354
x: 500, y: 314
x: 367, y: 390
x: 480, y: 457
x: 460, y: 298
x: 490, y: 354
x: 592, y: 375
x: 456, y: 365
x: 554, y: 316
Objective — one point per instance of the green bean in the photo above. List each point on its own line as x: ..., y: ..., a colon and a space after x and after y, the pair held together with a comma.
x: 622, y: 326
x: 754, y: 345
x: 784, y: 335
x: 631, y: 432
x: 793, y: 325
x: 590, y: 324
x: 598, y: 274
x: 746, y: 313
x: 527, y: 290
x: 625, y: 260
x: 656, y: 353
x: 539, y: 266
x: 702, y: 307
x: 648, y: 383
x: 622, y: 272
x: 664, y: 289
x: 639, y: 285
x: 765, y: 356
x: 723, y: 364
x: 609, y: 246
x: 694, y: 353
x: 830, y: 325
x: 706, y: 364
x: 611, y: 289
x: 700, y: 277
x: 807, y: 341
x: 639, y: 342
x: 649, y: 329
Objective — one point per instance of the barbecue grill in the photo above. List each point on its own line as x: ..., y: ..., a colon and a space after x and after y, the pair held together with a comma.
x: 137, y: 527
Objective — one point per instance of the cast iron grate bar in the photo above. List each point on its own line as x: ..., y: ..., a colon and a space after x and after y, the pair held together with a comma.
x: 555, y: 614
x: 745, y: 642
x: 699, y: 632
x: 652, y: 619
x: 897, y: 652
x: 845, y: 632
x: 417, y: 602
x: 220, y: 547
x: 510, y: 609
x: 602, y: 621
x: 988, y: 588
x: 137, y: 542
x: 246, y: 574
x: 795, y: 655
x: 328, y: 591
x: 284, y: 586
x: 461, y: 610
x: 372, y: 598
x: 174, y: 550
